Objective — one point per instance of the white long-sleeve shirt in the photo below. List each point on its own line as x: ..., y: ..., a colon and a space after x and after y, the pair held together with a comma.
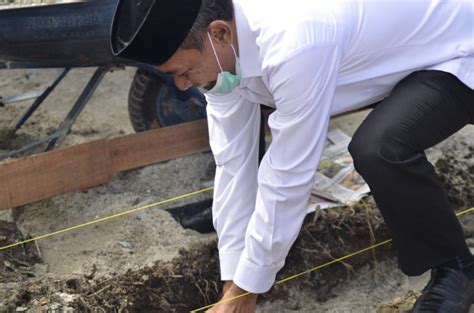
x: 310, y: 59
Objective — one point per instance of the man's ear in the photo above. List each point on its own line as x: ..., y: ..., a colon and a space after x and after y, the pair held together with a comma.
x: 221, y: 32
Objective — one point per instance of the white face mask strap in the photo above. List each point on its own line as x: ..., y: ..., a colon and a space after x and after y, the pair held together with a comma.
x: 214, y: 49
x: 233, y: 49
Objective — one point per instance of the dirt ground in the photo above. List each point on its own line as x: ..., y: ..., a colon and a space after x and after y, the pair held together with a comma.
x: 146, y: 261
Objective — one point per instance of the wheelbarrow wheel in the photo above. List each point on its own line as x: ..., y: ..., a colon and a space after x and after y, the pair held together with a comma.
x: 153, y: 102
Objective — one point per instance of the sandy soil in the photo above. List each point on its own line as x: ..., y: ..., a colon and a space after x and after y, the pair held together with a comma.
x: 138, y: 241
x: 125, y: 242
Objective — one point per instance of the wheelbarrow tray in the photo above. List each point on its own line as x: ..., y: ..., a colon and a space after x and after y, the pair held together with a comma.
x: 58, y: 35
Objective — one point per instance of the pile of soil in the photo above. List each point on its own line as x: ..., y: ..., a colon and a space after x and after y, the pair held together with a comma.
x: 456, y: 169
x: 191, y: 280
x: 402, y: 304
x: 17, y: 262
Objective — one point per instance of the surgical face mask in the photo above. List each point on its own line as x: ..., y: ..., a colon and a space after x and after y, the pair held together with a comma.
x: 226, y: 81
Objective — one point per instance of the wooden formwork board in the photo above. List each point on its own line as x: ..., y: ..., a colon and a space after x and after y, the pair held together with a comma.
x: 30, y: 179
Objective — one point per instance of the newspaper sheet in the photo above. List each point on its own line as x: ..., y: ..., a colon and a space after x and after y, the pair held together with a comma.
x: 336, y: 182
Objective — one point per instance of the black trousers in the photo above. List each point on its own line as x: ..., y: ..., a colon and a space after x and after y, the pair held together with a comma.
x: 423, y: 109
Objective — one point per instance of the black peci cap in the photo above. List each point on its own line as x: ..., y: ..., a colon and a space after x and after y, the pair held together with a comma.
x: 150, y: 31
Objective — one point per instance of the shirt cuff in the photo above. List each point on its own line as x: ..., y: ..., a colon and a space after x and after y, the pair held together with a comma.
x: 253, y: 278
x: 228, y: 263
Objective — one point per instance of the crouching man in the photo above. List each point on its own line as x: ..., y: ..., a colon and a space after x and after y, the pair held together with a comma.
x: 310, y: 60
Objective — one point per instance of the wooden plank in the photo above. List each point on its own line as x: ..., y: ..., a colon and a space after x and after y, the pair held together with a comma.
x: 167, y: 143
x: 5, y: 201
x: 53, y: 173
x: 30, y: 179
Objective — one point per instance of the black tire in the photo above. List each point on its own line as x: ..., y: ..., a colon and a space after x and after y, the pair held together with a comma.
x: 154, y: 103
x: 141, y: 100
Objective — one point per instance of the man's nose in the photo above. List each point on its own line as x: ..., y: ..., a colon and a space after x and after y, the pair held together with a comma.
x: 182, y: 83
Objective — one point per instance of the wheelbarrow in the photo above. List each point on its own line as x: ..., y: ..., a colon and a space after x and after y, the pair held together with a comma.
x: 77, y: 34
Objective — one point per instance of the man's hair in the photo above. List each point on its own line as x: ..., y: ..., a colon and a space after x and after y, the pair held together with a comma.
x: 211, y: 10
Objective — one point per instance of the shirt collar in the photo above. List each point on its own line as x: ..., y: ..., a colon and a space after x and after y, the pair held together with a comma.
x: 248, y: 50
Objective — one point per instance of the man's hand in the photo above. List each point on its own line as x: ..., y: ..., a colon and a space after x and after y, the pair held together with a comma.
x: 227, y: 286
x: 244, y: 304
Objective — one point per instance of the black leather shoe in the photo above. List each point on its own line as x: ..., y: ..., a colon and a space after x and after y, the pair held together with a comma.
x: 448, y: 291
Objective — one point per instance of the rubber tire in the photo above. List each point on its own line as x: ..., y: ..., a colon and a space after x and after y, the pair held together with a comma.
x: 141, y: 101
x: 155, y: 101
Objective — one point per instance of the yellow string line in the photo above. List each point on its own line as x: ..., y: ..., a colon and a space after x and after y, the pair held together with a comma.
x: 187, y: 196
x: 375, y: 246
x: 465, y: 212
x: 109, y: 217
